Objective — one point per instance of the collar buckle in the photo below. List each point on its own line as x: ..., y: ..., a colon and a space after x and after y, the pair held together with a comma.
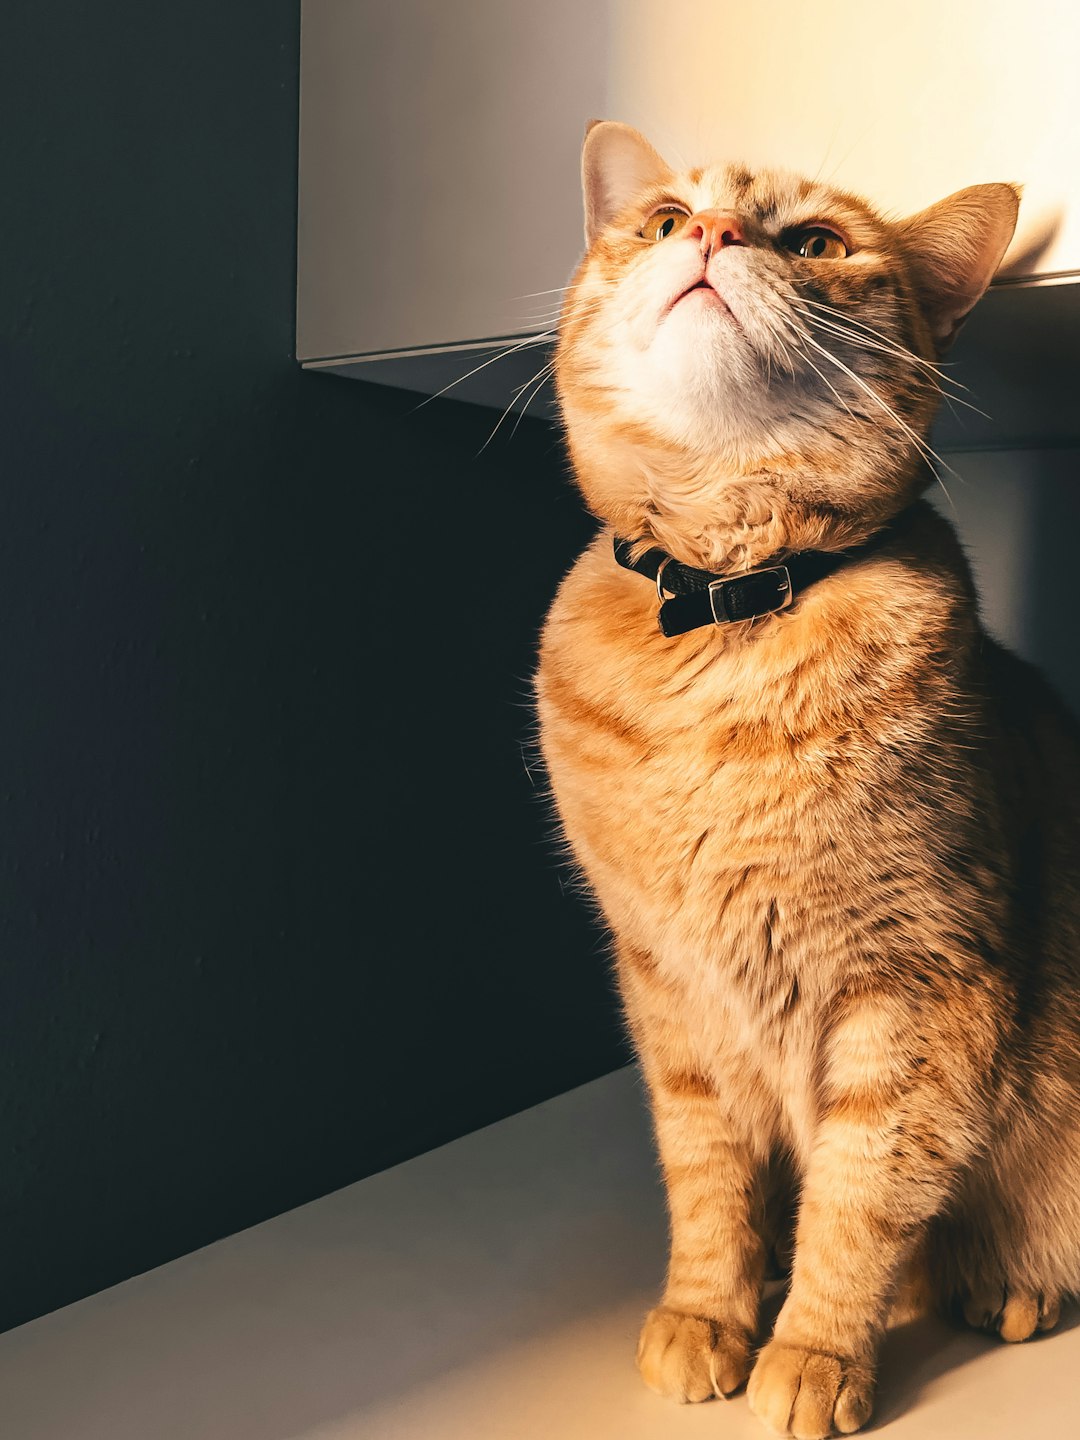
x: 745, y: 597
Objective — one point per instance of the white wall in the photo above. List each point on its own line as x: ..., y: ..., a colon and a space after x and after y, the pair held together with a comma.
x: 440, y: 142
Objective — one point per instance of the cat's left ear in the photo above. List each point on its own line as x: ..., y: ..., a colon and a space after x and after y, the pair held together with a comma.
x: 954, y: 248
x: 617, y: 163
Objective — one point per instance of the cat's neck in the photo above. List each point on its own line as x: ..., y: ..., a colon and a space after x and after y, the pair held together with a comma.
x: 734, y: 512
x: 872, y: 628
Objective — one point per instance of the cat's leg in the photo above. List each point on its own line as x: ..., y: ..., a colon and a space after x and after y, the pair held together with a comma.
x: 894, y: 1131
x: 697, y: 1342
x: 1003, y: 1259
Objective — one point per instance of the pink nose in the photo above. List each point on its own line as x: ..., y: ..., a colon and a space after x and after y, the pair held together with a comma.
x: 713, y: 229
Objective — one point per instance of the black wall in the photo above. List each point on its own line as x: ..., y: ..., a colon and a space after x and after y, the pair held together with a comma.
x: 278, y: 907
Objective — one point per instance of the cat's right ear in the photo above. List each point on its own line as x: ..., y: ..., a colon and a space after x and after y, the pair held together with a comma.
x: 617, y: 163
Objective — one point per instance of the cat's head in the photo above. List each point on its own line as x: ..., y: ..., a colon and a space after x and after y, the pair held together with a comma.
x: 747, y: 361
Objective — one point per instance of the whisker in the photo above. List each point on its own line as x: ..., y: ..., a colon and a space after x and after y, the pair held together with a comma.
x: 845, y: 324
x: 925, y: 450
x: 565, y: 289
x: 789, y: 330
x: 513, y: 401
x: 544, y: 369
x: 864, y: 343
x: 780, y: 342
x: 881, y: 336
x: 827, y: 381
x: 510, y: 350
x: 541, y: 380
x: 831, y: 386
x: 553, y: 314
x: 869, y: 389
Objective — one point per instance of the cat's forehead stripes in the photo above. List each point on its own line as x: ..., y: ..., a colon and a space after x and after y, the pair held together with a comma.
x: 774, y: 198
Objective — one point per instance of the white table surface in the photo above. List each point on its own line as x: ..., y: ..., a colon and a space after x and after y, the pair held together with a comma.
x: 489, y: 1290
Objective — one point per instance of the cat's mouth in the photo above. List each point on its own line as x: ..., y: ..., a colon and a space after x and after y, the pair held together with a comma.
x: 703, y: 296
x: 701, y: 292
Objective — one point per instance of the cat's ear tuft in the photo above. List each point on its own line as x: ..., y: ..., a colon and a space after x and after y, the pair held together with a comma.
x: 954, y: 248
x: 617, y: 163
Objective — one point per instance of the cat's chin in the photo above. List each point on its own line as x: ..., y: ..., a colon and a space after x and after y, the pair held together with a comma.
x: 703, y: 410
x: 697, y: 381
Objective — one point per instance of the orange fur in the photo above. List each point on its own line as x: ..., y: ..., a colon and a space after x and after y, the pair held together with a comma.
x: 837, y: 848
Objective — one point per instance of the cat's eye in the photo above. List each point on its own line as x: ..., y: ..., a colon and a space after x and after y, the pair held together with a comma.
x: 816, y: 242
x: 662, y: 223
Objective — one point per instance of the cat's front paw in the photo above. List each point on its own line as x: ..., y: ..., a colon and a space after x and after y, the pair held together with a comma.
x: 808, y: 1393
x: 690, y: 1357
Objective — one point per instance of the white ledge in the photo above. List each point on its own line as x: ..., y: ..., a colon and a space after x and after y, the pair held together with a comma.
x: 489, y: 1290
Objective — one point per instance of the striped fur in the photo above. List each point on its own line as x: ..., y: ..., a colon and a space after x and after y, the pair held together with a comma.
x: 837, y: 849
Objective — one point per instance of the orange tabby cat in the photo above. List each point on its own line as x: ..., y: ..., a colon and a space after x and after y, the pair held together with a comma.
x: 837, y: 845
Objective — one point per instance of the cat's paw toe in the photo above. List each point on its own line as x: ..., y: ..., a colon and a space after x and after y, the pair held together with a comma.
x: 809, y: 1394
x: 1013, y: 1314
x: 690, y: 1357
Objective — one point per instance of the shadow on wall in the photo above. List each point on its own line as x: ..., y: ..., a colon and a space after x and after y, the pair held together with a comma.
x: 1018, y: 513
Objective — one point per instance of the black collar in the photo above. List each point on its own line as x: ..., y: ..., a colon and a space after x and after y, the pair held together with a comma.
x: 700, y: 597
